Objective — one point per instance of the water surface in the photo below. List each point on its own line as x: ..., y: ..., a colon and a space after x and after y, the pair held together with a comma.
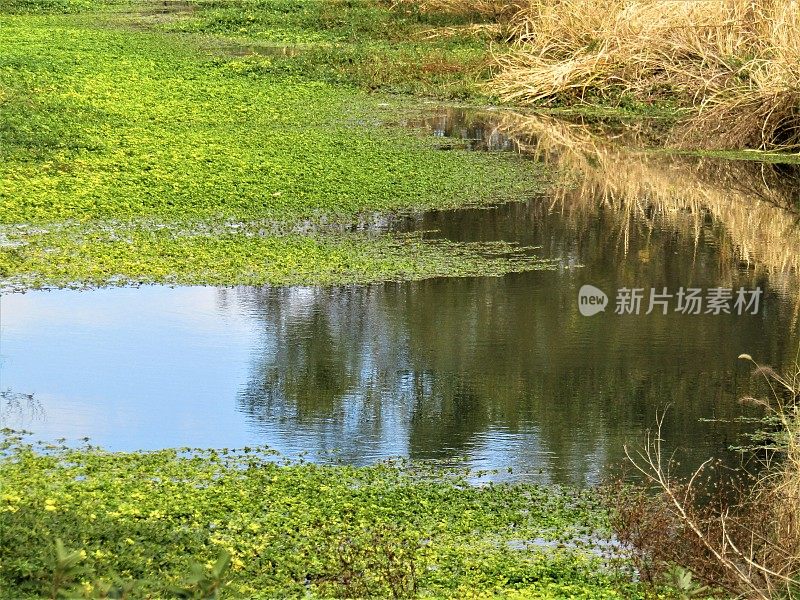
x: 496, y: 372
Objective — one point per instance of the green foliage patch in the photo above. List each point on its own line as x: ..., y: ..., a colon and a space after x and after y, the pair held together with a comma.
x: 105, y: 131
x: 142, y: 519
x: 120, y: 125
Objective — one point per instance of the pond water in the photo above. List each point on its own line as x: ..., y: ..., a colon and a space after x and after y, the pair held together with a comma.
x: 486, y: 372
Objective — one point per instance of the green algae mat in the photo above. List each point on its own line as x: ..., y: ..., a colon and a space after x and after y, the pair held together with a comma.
x: 132, y: 154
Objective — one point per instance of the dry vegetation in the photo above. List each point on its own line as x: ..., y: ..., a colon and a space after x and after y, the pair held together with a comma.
x: 743, y: 539
x: 734, y: 65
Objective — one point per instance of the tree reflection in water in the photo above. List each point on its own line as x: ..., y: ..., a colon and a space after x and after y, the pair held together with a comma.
x: 505, y: 370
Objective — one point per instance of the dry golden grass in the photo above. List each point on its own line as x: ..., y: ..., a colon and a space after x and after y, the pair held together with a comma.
x: 736, y: 63
x: 733, y: 64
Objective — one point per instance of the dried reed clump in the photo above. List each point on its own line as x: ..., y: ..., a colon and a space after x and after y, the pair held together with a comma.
x: 763, y: 119
x: 735, y: 62
x: 746, y: 542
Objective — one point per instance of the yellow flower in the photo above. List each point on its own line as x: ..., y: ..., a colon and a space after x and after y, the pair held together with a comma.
x: 50, y: 505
